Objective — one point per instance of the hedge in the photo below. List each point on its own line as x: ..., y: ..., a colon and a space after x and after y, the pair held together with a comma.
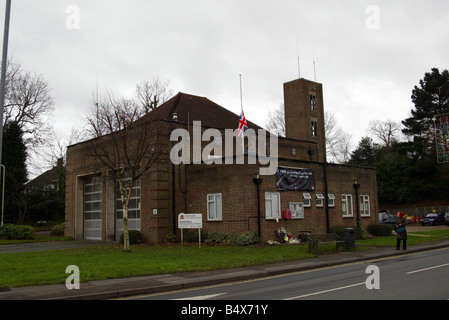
x: 16, y: 232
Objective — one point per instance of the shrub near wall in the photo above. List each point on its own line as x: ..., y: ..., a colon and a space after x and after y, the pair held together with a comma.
x: 380, y: 230
x: 16, y: 232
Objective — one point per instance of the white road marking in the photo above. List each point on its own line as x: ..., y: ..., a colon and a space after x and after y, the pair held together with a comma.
x: 326, y: 291
x: 430, y: 268
x: 210, y: 296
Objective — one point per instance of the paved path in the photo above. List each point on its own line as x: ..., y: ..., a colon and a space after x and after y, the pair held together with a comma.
x: 43, y: 246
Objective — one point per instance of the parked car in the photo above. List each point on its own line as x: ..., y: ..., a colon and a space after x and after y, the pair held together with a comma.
x: 385, y: 217
x: 446, y: 218
x: 433, y: 218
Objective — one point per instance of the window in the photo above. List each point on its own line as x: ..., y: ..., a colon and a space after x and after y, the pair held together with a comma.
x: 346, y: 205
x: 272, y: 205
x: 297, y: 209
x: 314, y: 128
x: 214, y: 208
x: 307, y: 200
x: 364, y: 206
x: 319, y: 200
x: 331, y: 200
x: 312, y: 100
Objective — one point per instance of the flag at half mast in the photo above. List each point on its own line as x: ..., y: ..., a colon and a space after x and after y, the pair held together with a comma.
x: 243, y: 126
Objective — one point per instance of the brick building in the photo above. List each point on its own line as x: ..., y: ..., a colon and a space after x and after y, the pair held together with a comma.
x: 232, y: 197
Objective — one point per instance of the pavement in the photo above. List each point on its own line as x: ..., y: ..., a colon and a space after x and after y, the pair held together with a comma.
x: 126, y: 287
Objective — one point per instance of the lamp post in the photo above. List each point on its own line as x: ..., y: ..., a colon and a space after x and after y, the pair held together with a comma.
x: 3, y: 71
x: 3, y: 173
x: 357, y: 187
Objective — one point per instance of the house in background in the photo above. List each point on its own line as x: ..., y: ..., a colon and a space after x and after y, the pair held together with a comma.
x: 303, y: 193
x: 45, y: 195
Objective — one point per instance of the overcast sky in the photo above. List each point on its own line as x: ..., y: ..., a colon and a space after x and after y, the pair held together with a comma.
x: 369, y: 54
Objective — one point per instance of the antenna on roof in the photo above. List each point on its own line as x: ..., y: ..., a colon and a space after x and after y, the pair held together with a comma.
x: 241, y: 95
x: 314, y: 69
x: 297, y: 56
x: 96, y: 98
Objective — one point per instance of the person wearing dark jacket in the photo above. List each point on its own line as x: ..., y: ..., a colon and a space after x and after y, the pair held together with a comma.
x: 401, y: 231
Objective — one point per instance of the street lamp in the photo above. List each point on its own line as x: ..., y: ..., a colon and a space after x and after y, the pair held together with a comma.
x: 3, y: 71
x: 357, y: 187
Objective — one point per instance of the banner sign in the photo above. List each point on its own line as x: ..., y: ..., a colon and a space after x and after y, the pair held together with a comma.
x: 442, y: 137
x: 290, y: 179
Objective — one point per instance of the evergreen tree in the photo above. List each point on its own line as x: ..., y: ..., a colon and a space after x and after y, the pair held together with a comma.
x: 14, y: 157
x: 431, y: 98
x: 365, y: 154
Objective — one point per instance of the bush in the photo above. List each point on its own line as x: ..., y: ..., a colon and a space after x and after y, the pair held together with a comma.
x: 380, y: 230
x: 16, y: 232
x: 57, y: 230
x: 170, y: 238
x: 135, y: 237
x: 215, y: 237
x: 245, y: 239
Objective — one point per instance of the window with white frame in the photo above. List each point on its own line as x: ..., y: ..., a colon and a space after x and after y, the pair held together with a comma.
x: 331, y: 200
x: 307, y: 200
x: 346, y: 205
x: 364, y: 206
x: 319, y: 200
x: 214, y: 207
x: 272, y: 205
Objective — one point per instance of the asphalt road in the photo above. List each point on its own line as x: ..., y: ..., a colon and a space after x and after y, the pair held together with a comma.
x: 419, y: 276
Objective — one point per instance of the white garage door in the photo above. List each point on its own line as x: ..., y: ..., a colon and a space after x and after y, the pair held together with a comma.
x: 93, y: 195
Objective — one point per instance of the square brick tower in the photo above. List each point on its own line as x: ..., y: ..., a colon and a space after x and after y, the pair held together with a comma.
x: 304, y: 115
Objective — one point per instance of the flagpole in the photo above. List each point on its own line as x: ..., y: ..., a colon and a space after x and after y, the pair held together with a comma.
x: 241, y: 114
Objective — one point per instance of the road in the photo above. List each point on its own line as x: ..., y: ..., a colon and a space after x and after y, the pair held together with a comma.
x: 419, y: 276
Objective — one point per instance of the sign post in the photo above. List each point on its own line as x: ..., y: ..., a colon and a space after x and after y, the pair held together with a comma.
x: 190, y: 221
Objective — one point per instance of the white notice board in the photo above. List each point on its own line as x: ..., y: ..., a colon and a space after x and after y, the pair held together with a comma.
x: 190, y: 221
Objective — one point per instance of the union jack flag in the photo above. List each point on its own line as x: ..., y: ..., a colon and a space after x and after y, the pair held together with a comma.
x: 243, y: 126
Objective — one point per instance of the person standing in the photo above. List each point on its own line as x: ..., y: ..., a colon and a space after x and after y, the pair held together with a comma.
x: 401, y: 231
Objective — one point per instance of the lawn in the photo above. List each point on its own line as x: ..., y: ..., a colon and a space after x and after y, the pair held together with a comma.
x: 109, y: 261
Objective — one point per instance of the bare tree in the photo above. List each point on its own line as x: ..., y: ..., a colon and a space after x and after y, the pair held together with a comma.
x: 338, y: 142
x: 387, y: 131
x: 276, y: 121
x: 126, y: 145
x: 150, y: 94
x: 28, y: 103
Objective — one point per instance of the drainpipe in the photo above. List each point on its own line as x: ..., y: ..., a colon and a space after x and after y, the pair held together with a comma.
x: 258, y: 181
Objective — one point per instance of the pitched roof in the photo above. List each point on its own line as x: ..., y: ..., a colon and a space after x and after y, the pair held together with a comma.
x: 191, y: 108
